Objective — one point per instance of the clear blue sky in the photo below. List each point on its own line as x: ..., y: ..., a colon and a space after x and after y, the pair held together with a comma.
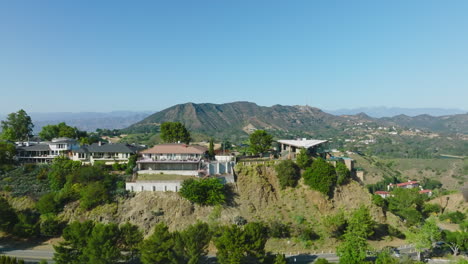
x: 148, y: 55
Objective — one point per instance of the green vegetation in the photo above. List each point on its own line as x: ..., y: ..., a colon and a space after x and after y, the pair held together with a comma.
x: 61, y: 130
x: 7, y: 156
x: 17, y: 127
x: 354, y: 247
x: 208, y: 191
x: 10, y: 260
x: 424, y: 237
x: 303, y: 159
x: 236, y: 245
x: 96, y: 243
x: 456, y: 217
x: 321, y: 176
x: 342, y: 173
x: 260, y: 142
x: 173, y: 132
x: 288, y: 173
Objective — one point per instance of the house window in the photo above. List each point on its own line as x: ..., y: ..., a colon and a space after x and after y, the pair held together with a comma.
x: 142, y: 188
x: 154, y: 188
x: 131, y: 187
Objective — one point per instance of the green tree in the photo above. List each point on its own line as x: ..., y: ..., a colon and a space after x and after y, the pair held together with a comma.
x: 255, y: 238
x: 353, y: 249
x: 7, y: 154
x: 361, y: 222
x: 194, y: 242
x: 384, y: 257
x: 288, y: 173
x: 159, y: 247
x: 17, y: 127
x: 60, y: 169
x: 101, y: 246
x: 173, y: 132
x: 335, y: 224
x: 424, y: 237
x: 47, y: 204
x: 260, y: 142
x: 93, y: 194
x: 303, y: 159
x: 208, y: 191
x: 321, y: 176
x: 211, y: 151
x: 27, y: 225
x: 342, y: 173
x: 230, y: 245
x: 50, y: 227
x: 8, y: 215
x: 76, y: 237
x: 281, y: 259
x: 49, y: 132
x: 457, y: 241
x: 131, y: 164
x: 406, y: 203
x: 129, y: 240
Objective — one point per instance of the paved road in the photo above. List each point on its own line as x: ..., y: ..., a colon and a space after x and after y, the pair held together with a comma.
x: 29, y: 255
x: 38, y: 255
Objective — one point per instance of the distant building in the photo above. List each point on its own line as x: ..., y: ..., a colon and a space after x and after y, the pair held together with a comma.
x: 407, y: 185
x: 45, y: 152
x: 108, y: 153
x: 290, y: 148
x: 427, y: 192
x: 383, y: 194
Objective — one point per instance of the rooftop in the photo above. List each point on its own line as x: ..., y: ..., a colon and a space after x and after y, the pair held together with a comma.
x: 302, y: 143
x: 407, y: 183
x: 175, y: 149
x: 108, y: 148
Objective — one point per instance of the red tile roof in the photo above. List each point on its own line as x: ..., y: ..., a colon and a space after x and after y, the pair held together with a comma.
x: 407, y: 183
x: 425, y: 191
x: 175, y: 149
x: 381, y: 192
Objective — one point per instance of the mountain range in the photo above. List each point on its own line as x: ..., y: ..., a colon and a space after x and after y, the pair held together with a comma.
x: 383, y: 111
x: 239, y: 118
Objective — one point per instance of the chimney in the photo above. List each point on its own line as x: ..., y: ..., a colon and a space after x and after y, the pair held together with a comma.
x: 99, y: 143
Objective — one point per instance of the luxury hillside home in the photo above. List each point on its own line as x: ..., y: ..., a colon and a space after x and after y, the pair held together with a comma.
x: 180, y: 159
x: 107, y: 153
x: 45, y: 152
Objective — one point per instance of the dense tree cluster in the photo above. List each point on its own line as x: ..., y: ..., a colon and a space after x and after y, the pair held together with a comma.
x: 208, y: 191
x: 88, y: 242
x: 321, y: 176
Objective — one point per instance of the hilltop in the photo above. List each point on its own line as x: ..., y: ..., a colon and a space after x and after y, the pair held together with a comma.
x: 238, y: 119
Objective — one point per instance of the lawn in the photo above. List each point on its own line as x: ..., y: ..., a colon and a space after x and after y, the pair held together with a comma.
x: 162, y: 177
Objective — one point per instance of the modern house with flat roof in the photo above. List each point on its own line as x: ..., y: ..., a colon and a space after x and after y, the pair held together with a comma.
x: 107, y: 153
x: 290, y: 147
x: 45, y: 152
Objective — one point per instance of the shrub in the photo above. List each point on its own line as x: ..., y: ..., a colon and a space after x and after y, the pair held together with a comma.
x: 48, y: 204
x: 303, y: 159
x: 321, y: 176
x: 342, y: 173
x: 93, y: 194
x: 454, y: 217
x: 279, y: 230
x: 208, y: 191
x: 288, y: 173
x: 51, y: 227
